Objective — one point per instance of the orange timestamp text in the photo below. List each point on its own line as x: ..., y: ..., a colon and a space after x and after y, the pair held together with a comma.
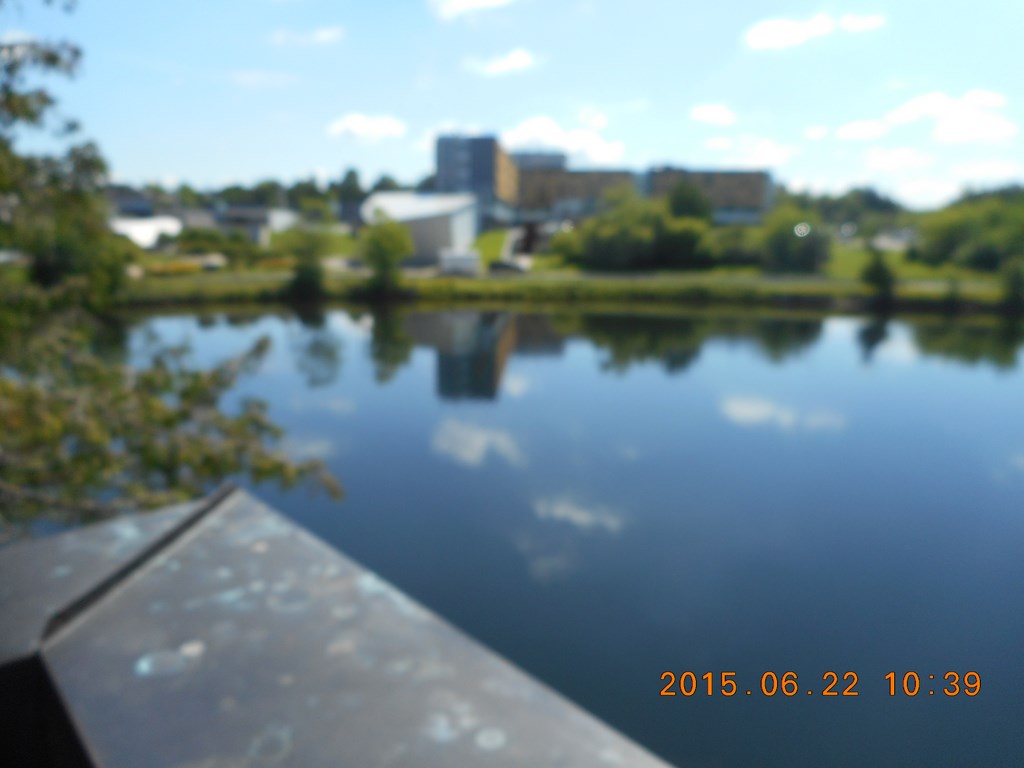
x: 838, y: 684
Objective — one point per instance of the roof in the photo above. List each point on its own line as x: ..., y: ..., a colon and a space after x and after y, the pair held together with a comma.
x: 408, y: 206
x: 146, y: 232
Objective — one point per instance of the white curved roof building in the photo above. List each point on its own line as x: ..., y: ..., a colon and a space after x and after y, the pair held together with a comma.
x: 438, y: 223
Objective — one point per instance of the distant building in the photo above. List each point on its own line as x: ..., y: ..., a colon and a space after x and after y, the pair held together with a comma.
x: 440, y: 224
x: 737, y: 197
x: 539, y: 161
x: 562, y: 194
x: 256, y: 222
x: 146, y: 232
x: 479, y: 166
x: 124, y: 201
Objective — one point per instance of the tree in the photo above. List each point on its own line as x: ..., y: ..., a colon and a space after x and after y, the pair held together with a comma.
x: 384, y: 245
x: 386, y: 183
x: 83, y: 435
x: 53, y: 208
x: 308, y: 246
x: 350, y: 191
x: 880, y: 277
x: 686, y: 201
x: 794, y: 241
x: 1013, y: 286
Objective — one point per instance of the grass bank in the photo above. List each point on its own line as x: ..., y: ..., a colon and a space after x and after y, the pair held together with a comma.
x: 732, y: 289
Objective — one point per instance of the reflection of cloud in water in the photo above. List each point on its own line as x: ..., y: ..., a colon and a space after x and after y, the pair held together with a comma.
x: 629, y: 453
x: 516, y: 386
x: 899, y: 349
x: 567, y: 511
x: 340, y: 406
x: 547, y: 560
x: 302, y: 450
x: 470, y: 444
x: 760, y: 412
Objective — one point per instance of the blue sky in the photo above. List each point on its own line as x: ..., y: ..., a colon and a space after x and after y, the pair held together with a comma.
x: 917, y: 98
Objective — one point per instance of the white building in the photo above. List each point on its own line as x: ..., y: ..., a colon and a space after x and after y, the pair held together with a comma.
x: 443, y: 227
x: 145, y: 232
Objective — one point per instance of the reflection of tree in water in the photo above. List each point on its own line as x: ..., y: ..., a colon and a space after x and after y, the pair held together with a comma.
x: 872, y: 334
x: 972, y: 343
x: 781, y: 339
x: 631, y: 339
x: 390, y: 345
x: 676, y: 342
x: 317, y: 350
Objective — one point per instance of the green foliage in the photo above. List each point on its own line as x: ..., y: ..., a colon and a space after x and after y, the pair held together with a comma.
x: 386, y: 183
x: 862, y: 206
x: 568, y: 245
x: 349, y: 190
x: 879, y: 277
x: 794, y: 241
x: 1013, y: 285
x: 308, y: 247
x: 680, y: 243
x: 686, y: 201
x: 82, y: 433
x: 979, y: 233
x: 384, y: 245
x: 489, y: 245
x: 235, y: 246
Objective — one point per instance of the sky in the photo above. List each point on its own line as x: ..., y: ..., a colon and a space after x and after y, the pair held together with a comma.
x: 916, y: 98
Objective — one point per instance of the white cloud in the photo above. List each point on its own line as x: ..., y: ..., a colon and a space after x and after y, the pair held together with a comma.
x: 470, y: 444
x: 451, y: 9
x: 16, y: 36
x: 759, y: 412
x: 720, y: 143
x: 896, y: 159
x: 319, y: 36
x: 852, y: 23
x: 816, y: 133
x: 972, y: 118
x: 988, y: 170
x: 1018, y: 461
x: 593, y: 118
x: 587, y: 519
x: 926, y: 192
x: 713, y: 114
x: 428, y: 139
x: 516, y: 60
x: 777, y: 34
x: 258, y: 78
x: 759, y: 152
x: 543, y: 132
x: 862, y: 130
x: 367, y: 127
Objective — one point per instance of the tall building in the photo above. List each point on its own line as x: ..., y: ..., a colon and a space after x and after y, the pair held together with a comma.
x: 561, y: 194
x: 539, y: 161
x: 478, y: 165
x: 737, y: 197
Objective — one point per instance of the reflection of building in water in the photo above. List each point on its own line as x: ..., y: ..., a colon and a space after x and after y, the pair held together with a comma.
x: 472, y: 348
x: 536, y: 336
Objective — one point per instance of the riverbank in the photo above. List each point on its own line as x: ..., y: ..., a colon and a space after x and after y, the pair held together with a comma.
x: 736, y: 290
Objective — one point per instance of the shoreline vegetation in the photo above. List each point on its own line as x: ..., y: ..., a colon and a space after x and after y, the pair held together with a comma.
x: 811, y: 292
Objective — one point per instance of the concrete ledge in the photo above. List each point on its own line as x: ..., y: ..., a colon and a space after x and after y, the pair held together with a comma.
x: 242, y: 640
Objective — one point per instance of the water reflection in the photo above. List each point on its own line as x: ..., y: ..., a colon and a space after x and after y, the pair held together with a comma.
x: 473, y: 347
x: 677, y: 491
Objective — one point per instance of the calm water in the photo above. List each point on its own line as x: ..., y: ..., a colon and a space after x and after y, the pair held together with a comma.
x: 603, y: 498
